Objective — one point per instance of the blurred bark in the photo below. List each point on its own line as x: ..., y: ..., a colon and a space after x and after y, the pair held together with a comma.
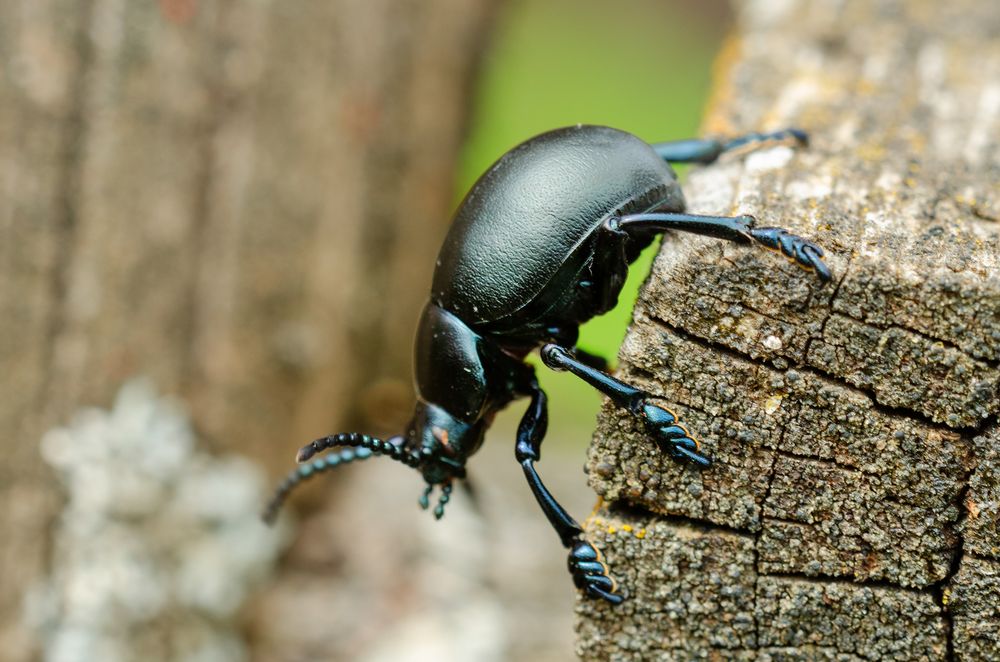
x: 241, y: 201
x: 851, y: 510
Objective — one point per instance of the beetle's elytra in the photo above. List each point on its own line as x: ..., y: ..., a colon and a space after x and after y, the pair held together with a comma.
x: 540, y: 244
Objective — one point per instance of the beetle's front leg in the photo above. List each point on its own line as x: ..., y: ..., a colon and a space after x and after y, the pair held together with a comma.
x: 658, y: 420
x: 586, y: 564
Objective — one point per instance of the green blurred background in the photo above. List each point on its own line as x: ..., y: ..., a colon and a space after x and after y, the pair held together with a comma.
x: 643, y: 66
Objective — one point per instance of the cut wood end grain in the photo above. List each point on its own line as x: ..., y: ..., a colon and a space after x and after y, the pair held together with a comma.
x: 851, y: 424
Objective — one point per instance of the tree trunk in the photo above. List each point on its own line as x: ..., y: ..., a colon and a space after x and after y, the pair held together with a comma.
x: 851, y: 512
x: 241, y: 201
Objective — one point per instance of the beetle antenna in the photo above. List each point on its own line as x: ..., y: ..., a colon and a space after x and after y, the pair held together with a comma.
x: 393, y: 447
x: 365, y: 448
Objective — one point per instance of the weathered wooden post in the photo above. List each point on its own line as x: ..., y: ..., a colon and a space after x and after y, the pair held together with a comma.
x: 852, y: 510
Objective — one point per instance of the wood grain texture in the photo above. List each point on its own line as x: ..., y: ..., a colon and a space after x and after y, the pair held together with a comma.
x: 851, y: 510
x: 240, y: 201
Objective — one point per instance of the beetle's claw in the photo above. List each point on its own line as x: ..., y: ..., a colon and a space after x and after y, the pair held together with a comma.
x: 590, y: 573
x: 685, y: 452
x: 811, y: 254
x: 805, y: 253
x: 800, y: 136
x: 686, y: 448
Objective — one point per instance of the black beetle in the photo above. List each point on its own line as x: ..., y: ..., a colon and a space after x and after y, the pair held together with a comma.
x: 542, y: 243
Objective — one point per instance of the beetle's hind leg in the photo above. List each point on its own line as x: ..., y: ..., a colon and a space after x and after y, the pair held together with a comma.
x: 659, y: 421
x: 586, y: 564
x: 707, y: 150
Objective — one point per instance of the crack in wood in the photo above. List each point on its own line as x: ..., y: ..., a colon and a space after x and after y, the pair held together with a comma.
x: 626, y: 508
x: 889, y: 410
x: 756, y: 541
x: 824, y: 579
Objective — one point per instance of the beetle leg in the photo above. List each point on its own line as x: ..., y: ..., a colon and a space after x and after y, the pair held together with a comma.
x: 741, y: 229
x: 586, y: 565
x: 660, y: 421
x: 592, y: 360
x: 567, y: 336
x: 805, y: 253
x: 530, y: 433
x: 707, y: 150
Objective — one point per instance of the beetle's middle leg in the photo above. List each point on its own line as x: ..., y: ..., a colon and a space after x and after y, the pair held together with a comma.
x: 660, y: 421
x: 741, y: 229
x: 585, y: 562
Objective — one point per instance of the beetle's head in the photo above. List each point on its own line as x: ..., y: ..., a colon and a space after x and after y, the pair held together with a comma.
x: 437, y: 443
x: 443, y: 441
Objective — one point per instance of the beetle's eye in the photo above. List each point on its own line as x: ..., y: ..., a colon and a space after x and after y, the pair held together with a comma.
x: 441, y: 435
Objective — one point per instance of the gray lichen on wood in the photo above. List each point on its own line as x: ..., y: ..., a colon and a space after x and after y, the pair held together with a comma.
x: 159, y: 544
x: 851, y: 512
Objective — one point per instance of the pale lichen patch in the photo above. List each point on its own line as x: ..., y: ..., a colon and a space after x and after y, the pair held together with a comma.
x: 159, y: 543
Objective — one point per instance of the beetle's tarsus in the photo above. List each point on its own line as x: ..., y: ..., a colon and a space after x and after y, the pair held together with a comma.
x: 674, y: 437
x: 804, y: 252
x: 590, y: 572
x: 659, y: 421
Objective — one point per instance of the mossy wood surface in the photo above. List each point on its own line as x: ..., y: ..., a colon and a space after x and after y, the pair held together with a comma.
x: 852, y: 510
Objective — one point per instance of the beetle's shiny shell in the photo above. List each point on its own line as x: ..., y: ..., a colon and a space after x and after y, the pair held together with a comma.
x: 528, y: 212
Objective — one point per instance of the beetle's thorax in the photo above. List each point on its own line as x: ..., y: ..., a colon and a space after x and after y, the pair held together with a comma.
x: 462, y: 380
x: 457, y: 369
